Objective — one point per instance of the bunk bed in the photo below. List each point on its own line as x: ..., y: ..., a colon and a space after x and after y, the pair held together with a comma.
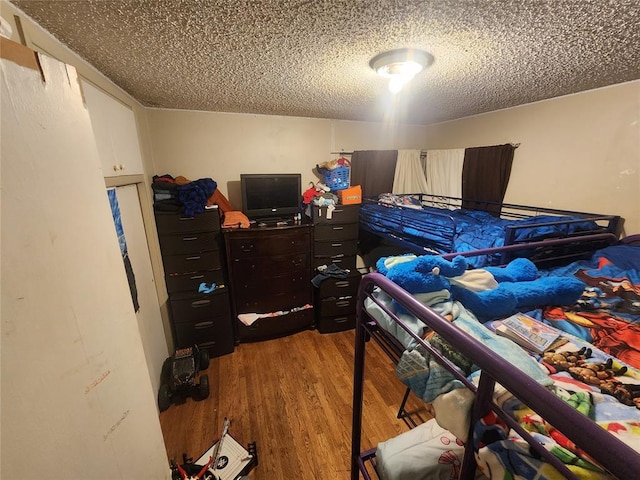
x: 423, y: 223
x: 396, y: 321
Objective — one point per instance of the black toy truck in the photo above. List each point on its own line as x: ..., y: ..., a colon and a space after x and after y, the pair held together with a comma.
x: 179, y: 378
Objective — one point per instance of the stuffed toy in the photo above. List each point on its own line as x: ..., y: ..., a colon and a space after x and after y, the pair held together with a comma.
x: 428, y: 273
x: 491, y: 292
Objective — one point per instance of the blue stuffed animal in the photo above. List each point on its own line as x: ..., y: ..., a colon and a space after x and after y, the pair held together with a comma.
x: 428, y: 273
x: 490, y: 293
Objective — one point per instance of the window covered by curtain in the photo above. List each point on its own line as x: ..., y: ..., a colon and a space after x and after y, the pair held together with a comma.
x: 443, y: 170
x: 409, y: 175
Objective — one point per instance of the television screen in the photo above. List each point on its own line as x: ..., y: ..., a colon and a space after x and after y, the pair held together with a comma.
x: 271, y: 195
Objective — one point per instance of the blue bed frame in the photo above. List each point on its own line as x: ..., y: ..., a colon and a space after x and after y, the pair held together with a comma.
x: 525, y: 231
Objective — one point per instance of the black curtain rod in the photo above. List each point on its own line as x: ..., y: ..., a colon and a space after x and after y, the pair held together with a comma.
x: 514, y: 145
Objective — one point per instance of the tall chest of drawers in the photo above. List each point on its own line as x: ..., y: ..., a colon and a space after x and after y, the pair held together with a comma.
x: 336, y: 242
x: 193, y: 255
x: 270, y: 271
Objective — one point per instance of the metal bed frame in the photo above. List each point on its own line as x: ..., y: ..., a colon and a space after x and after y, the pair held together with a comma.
x: 404, y: 227
x: 611, y: 453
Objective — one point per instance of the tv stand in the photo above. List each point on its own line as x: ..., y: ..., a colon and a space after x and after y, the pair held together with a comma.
x: 270, y: 271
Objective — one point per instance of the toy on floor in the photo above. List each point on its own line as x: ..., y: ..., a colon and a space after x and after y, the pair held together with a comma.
x: 179, y: 376
x: 225, y: 460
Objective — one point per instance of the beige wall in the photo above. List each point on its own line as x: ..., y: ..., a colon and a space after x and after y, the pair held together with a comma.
x: 224, y: 145
x: 579, y: 152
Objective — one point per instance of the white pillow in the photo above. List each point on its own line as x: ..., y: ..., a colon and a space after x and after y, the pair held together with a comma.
x: 427, y: 452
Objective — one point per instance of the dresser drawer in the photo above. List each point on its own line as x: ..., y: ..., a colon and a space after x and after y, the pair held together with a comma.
x: 190, y: 282
x: 247, y: 269
x: 191, y: 262
x: 272, y: 327
x: 274, y: 294
x: 340, y: 214
x: 189, y: 243
x: 346, y: 263
x: 331, y: 307
x: 215, y: 335
x: 269, y: 243
x: 176, y: 223
x: 196, y: 308
x: 340, y: 287
x: 346, y: 231
x: 346, y: 248
x: 336, y: 324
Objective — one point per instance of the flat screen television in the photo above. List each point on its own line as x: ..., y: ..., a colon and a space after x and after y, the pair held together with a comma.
x: 271, y: 195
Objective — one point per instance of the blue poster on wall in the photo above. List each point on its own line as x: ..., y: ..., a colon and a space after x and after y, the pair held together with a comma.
x: 117, y: 220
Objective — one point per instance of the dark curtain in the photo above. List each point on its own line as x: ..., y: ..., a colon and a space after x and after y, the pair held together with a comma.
x: 485, y: 176
x: 373, y: 170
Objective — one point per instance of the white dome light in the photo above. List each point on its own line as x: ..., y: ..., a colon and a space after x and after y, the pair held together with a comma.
x: 400, y: 65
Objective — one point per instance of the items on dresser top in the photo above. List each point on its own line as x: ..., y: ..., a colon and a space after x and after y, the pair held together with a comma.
x: 194, y: 267
x: 180, y: 194
x: 235, y: 219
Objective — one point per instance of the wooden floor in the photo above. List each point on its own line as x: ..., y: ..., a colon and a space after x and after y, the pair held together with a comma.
x: 292, y: 396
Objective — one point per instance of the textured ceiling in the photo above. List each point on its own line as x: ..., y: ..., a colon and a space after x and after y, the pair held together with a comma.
x: 310, y: 58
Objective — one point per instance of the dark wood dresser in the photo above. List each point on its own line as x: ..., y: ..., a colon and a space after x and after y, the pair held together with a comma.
x: 336, y: 242
x: 193, y: 254
x: 270, y: 271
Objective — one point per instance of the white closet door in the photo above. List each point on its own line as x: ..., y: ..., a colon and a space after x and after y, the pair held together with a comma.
x: 149, y: 318
x: 80, y: 400
x: 114, y: 127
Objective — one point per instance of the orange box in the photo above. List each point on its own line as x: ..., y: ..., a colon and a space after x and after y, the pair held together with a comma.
x: 351, y: 195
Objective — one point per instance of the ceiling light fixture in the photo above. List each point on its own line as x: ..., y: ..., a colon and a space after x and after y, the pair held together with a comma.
x: 400, y: 65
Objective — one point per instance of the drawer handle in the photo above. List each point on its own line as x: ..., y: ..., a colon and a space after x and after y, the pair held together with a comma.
x: 343, y: 303
x: 343, y: 284
x: 187, y: 218
x: 188, y: 239
x: 341, y: 255
x: 202, y: 325
x: 195, y: 277
x: 194, y: 258
x: 340, y: 319
x: 200, y: 303
x: 338, y: 228
x: 336, y: 244
x: 246, y: 248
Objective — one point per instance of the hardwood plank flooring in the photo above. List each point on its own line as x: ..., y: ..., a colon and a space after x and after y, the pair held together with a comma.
x: 292, y: 396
